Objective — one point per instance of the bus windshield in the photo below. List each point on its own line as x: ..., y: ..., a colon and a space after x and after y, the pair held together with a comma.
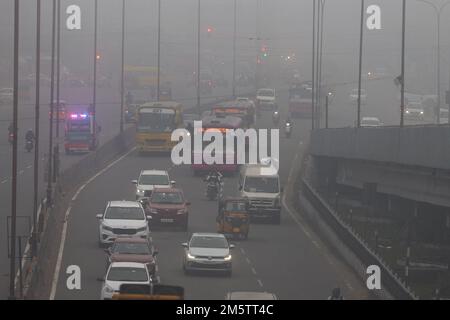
x: 156, y: 120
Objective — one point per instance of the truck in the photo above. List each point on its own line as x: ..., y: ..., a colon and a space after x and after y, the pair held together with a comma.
x: 81, y: 130
x: 300, y: 103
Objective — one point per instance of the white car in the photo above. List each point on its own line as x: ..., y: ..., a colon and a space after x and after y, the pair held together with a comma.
x: 354, y: 96
x: 414, y: 111
x: 266, y: 99
x: 207, y: 252
x: 6, y: 95
x: 122, y: 219
x: 149, y: 180
x: 123, y: 273
x: 371, y: 122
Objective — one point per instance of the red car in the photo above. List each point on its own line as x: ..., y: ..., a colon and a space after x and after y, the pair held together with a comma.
x: 168, y: 206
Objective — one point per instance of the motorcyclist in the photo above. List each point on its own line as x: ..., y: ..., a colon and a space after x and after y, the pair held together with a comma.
x: 29, y: 136
x: 214, y: 177
x: 336, y: 294
x: 276, y: 116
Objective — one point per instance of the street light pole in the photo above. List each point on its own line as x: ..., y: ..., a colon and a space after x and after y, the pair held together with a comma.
x: 58, y: 79
x: 313, y: 66
x: 122, y: 88
x: 234, y: 49
x: 159, y: 53
x: 317, y: 65
x: 322, y: 8
x: 358, y: 121
x: 198, y: 56
x: 94, y: 95
x: 36, y: 129
x: 12, y: 269
x: 52, y: 105
x: 402, y: 93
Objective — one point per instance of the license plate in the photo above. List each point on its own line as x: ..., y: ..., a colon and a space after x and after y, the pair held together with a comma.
x: 167, y: 220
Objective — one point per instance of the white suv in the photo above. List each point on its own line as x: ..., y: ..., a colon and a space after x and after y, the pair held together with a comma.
x: 149, y: 180
x: 122, y: 219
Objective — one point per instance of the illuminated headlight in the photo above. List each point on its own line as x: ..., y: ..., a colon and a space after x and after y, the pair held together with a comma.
x: 407, y: 111
x: 140, y: 191
x: 227, y: 258
x: 421, y: 112
x: 190, y: 256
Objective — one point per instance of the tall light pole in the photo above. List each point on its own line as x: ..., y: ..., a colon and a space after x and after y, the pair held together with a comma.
x: 198, y: 56
x: 322, y: 8
x: 158, y: 85
x: 36, y: 129
x: 402, y: 92
x: 12, y: 267
x: 122, y: 72
x: 317, y: 91
x: 94, y: 95
x: 58, y: 80
x: 361, y: 32
x: 234, y: 49
x: 313, y: 67
x: 52, y: 105
x: 438, y: 11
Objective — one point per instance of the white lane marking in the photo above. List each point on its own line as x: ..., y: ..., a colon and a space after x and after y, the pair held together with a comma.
x: 248, y: 260
x: 260, y: 283
x: 29, y: 167
x: 60, y: 253
x: 64, y: 232
x: 254, y: 271
x: 243, y: 251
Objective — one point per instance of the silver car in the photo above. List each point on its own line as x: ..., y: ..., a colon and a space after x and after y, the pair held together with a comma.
x: 207, y: 252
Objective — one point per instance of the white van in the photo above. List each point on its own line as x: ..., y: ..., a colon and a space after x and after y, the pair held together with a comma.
x: 260, y: 184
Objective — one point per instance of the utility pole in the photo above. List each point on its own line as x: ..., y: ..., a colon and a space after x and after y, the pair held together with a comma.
x: 322, y: 8
x: 358, y: 120
x: 318, y: 113
x: 402, y: 93
x: 234, y: 49
x: 122, y: 88
x: 94, y: 95
x: 34, y: 239
x: 12, y: 269
x: 52, y: 107
x: 58, y: 81
x: 198, y: 56
x: 313, y: 67
x: 158, y: 86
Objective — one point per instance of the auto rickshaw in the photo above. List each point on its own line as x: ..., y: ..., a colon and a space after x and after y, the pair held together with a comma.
x: 233, y: 218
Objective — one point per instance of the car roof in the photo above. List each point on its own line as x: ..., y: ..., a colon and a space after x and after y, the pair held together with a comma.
x: 249, y: 295
x: 124, y: 203
x: 256, y: 170
x: 131, y: 240
x: 128, y: 264
x: 208, y: 234
x: 154, y: 172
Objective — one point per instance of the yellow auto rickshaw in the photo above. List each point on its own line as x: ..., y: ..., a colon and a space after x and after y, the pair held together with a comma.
x: 233, y: 218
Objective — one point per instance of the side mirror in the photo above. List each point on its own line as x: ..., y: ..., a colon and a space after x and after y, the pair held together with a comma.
x: 173, y: 182
x: 232, y: 246
x: 155, y: 253
x: 184, y: 244
x: 134, y: 181
x: 149, y: 217
x: 99, y: 216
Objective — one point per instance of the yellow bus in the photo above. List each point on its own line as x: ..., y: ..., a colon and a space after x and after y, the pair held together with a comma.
x: 155, y: 123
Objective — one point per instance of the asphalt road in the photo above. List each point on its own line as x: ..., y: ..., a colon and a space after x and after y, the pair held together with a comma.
x: 108, y: 116
x: 288, y: 260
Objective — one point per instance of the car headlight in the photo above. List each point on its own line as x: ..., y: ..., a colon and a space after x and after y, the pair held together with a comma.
x: 140, y: 191
x: 181, y: 211
x: 108, y: 289
x: 421, y: 112
x: 227, y: 258
x: 190, y: 256
x: 407, y: 111
x: 107, y: 228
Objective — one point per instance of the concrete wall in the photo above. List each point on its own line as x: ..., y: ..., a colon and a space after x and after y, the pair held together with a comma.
x: 424, y: 146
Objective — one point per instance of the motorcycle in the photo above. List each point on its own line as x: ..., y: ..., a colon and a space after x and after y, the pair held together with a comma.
x: 212, y: 190
x: 288, y: 129
x: 29, y: 145
x: 276, y: 117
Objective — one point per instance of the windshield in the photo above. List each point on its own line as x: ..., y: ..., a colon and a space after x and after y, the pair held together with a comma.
x: 125, y: 213
x: 127, y: 274
x: 266, y: 93
x: 167, y: 198
x: 131, y: 248
x: 208, y: 242
x: 156, y: 120
x: 160, y: 180
x: 261, y: 184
